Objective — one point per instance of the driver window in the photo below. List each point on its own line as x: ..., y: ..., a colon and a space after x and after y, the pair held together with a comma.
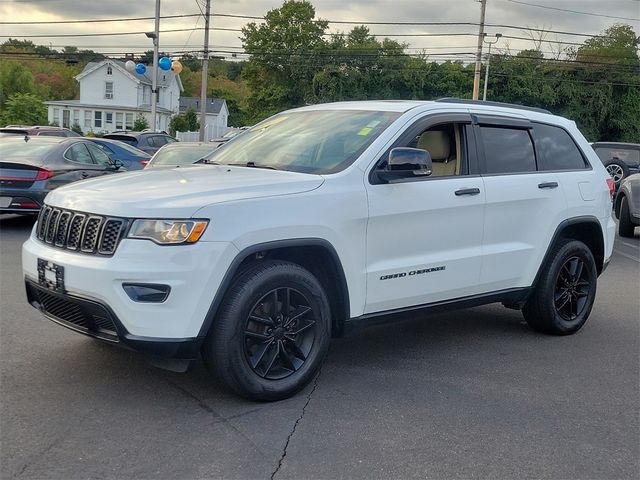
x: 444, y: 144
x: 99, y: 155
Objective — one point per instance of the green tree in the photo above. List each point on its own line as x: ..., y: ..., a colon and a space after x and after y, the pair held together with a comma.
x: 191, y: 120
x: 140, y: 123
x: 23, y: 109
x: 76, y: 128
x: 177, y: 124
x: 14, y: 78
x: 284, y: 50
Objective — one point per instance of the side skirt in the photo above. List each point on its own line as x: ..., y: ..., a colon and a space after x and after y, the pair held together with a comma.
x: 511, y: 298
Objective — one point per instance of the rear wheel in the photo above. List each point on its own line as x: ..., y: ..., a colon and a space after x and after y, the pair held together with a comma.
x: 625, y: 226
x: 565, y: 292
x: 272, y: 332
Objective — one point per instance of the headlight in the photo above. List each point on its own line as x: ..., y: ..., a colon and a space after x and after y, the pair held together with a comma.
x: 167, y: 232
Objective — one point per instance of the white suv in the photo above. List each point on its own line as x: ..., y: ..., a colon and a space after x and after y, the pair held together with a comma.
x: 325, y: 217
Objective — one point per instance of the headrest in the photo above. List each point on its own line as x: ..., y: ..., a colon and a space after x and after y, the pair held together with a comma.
x: 436, y: 142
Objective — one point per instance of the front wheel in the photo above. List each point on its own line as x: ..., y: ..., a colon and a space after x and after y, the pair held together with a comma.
x: 565, y: 292
x: 272, y: 331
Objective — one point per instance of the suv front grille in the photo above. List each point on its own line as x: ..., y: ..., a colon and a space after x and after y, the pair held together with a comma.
x: 92, y: 234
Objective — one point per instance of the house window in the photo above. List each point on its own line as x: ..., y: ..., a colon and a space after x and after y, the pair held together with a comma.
x: 109, y: 118
x: 146, y: 95
x: 55, y: 115
x: 98, y: 119
x: 128, y: 121
x: 87, y: 119
x: 108, y: 90
x: 109, y: 70
x: 76, y: 117
x: 119, y: 124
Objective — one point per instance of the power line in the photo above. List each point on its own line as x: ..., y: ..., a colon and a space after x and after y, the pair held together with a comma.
x: 578, y: 12
x: 99, y: 20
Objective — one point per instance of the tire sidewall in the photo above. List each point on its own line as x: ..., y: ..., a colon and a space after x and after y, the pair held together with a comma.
x: 249, y: 289
x: 569, y: 250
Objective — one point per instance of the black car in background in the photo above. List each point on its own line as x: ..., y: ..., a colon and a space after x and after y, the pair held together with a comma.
x: 30, y: 167
x: 620, y: 159
x: 149, y: 142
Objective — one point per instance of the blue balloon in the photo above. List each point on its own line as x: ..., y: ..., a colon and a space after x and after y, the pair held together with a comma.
x: 140, y: 69
x: 165, y: 63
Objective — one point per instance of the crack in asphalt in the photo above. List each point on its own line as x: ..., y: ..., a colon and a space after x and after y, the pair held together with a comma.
x: 295, y: 425
x: 207, y: 408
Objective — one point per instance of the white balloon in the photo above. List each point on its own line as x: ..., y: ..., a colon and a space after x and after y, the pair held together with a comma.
x: 130, y: 65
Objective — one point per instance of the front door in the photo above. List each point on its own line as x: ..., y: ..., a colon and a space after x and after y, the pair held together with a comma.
x: 424, y: 237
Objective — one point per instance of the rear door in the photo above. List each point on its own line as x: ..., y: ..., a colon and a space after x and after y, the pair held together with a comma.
x: 103, y: 163
x: 524, y: 204
x: 80, y: 160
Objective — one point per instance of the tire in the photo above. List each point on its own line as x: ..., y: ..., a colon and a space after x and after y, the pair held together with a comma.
x: 618, y: 170
x: 625, y: 225
x: 262, y: 349
x: 565, y: 292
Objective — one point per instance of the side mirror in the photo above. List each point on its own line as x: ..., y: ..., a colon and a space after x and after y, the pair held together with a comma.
x: 117, y: 163
x: 404, y: 163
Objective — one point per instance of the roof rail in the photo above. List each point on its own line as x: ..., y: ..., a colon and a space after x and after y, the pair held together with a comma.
x: 493, y: 104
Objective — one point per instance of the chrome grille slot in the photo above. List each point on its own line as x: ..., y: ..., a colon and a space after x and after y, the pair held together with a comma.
x: 77, y: 231
x: 90, y: 234
x: 63, y: 227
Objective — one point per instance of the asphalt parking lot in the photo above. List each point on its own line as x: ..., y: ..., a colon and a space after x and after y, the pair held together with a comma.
x: 470, y: 394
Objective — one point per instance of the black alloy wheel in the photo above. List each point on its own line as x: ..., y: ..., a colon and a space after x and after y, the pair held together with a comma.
x: 564, y: 291
x: 572, y: 289
x: 271, y: 331
x: 279, y: 333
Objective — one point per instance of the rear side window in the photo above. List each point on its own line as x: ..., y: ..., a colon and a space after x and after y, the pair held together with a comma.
x: 507, y: 150
x: 557, y: 148
x: 79, y: 153
x: 624, y: 154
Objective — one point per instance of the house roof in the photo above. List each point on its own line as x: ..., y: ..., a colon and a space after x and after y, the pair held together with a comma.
x: 164, y: 77
x: 214, y: 105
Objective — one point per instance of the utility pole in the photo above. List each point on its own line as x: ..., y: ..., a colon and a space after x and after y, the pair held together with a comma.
x: 154, y: 81
x: 486, y: 71
x: 476, y: 75
x: 205, y: 72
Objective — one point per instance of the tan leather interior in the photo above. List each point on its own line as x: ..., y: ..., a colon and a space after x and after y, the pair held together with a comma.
x: 437, y: 143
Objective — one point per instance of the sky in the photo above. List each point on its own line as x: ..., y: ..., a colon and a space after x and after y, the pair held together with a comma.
x: 595, y: 17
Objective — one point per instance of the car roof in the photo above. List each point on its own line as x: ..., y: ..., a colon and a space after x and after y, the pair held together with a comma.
x: 186, y: 145
x: 615, y: 144
x: 38, y: 139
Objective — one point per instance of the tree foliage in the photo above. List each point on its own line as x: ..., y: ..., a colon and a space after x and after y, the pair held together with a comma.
x: 23, y: 109
x: 140, y: 123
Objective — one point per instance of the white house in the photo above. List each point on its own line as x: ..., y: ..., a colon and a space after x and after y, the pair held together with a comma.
x: 217, y: 114
x: 111, y: 97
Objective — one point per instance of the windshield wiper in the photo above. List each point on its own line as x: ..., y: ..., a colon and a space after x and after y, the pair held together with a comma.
x: 254, y: 165
x: 207, y: 162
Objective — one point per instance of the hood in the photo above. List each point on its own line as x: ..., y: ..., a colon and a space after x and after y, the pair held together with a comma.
x: 177, y: 192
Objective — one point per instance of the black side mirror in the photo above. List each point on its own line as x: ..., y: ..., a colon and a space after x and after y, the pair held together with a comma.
x: 117, y: 163
x: 405, y: 163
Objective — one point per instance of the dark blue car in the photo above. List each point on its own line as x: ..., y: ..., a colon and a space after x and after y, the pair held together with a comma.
x: 131, y: 157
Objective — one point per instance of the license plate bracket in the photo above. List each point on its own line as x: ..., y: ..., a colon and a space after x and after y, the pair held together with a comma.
x: 51, y: 275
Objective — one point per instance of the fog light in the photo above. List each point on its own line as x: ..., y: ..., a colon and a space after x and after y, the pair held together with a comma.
x: 147, y: 292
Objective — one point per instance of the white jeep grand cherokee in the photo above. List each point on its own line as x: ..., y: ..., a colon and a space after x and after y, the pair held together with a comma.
x: 321, y: 218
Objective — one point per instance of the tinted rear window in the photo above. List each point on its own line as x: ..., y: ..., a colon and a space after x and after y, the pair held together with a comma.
x: 624, y: 154
x: 13, y: 131
x: 25, y: 149
x: 558, y: 150
x: 508, y: 150
x: 124, y: 138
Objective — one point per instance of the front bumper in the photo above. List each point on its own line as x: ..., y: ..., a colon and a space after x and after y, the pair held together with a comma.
x: 94, y: 283
x: 95, y: 319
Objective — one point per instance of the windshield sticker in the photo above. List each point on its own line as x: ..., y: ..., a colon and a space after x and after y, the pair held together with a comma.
x: 365, y: 131
x: 268, y: 124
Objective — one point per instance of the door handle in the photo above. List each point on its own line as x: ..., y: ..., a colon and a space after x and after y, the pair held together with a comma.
x: 467, y: 191
x: 548, y: 185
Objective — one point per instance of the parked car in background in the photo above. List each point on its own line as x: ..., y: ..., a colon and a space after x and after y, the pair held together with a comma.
x: 620, y: 159
x: 178, y: 154
x: 627, y: 205
x: 149, y: 142
x: 33, y: 166
x: 37, y: 130
x: 132, y: 158
x: 234, y: 132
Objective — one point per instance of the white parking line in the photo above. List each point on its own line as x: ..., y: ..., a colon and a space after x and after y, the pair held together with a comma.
x: 631, y: 245
x: 626, y: 255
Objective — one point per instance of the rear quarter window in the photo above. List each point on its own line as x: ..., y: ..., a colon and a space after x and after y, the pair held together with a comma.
x: 557, y: 149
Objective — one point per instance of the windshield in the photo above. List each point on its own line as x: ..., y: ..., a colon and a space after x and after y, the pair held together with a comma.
x: 125, y: 146
x: 318, y: 141
x: 182, y: 155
